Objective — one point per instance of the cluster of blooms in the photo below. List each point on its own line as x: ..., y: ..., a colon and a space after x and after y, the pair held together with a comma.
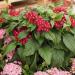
x: 16, y: 32
x: 2, y: 32
x: 73, y: 66
x: 12, y: 69
x: 53, y: 71
x: 7, y: 40
x: 41, y: 24
x: 13, y: 12
x: 59, y: 9
x: 72, y: 21
x: 59, y: 24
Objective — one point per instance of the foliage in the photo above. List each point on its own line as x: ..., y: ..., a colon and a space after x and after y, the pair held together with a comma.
x: 38, y: 37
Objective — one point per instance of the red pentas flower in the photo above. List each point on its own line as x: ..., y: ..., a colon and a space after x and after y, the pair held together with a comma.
x: 47, y: 26
x: 31, y: 16
x: 59, y: 9
x: 16, y: 32
x: 37, y: 20
x: 42, y: 25
x: 72, y: 22
x: 59, y: 24
x: 2, y: 20
x: 13, y: 12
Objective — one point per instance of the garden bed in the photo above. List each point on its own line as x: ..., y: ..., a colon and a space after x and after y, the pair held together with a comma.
x: 37, y: 41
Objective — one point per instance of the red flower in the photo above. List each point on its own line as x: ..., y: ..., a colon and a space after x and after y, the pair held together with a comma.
x: 31, y: 16
x: 24, y: 40
x: 37, y: 20
x: 59, y: 9
x: 42, y: 25
x: 16, y: 32
x: 72, y: 22
x: 14, y: 12
x: 2, y: 20
x: 59, y: 24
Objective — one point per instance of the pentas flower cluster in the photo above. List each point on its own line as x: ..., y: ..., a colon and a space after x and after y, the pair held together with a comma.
x: 72, y: 22
x: 53, y: 71
x: 59, y: 9
x: 12, y: 69
x: 13, y: 12
x: 16, y: 32
x: 59, y: 24
x: 37, y: 20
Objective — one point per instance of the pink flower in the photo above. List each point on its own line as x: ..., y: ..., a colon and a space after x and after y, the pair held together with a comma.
x: 7, y: 40
x: 2, y: 32
x: 40, y: 73
x: 0, y: 73
x: 53, y: 71
x: 10, y: 55
x: 64, y: 73
x: 73, y: 66
x: 12, y: 69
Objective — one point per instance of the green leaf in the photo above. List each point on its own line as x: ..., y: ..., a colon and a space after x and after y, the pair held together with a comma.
x: 58, y: 17
x: 1, y: 64
x: 30, y: 48
x: 46, y: 54
x: 69, y: 42
x: 34, y: 63
x: 39, y: 38
x: 10, y: 47
x: 32, y: 27
x: 73, y: 31
x: 49, y: 11
x: 55, y: 37
x: 12, y: 26
x: 68, y: 22
x: 24, y: 53
x: 57, y: 58
x: 50, y: 36
x: 66, y: 25
x: 24, y: 23
x: 6, y: 16
x: 52, y: 23
x: 22, y: 35
x: 40, y: 9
